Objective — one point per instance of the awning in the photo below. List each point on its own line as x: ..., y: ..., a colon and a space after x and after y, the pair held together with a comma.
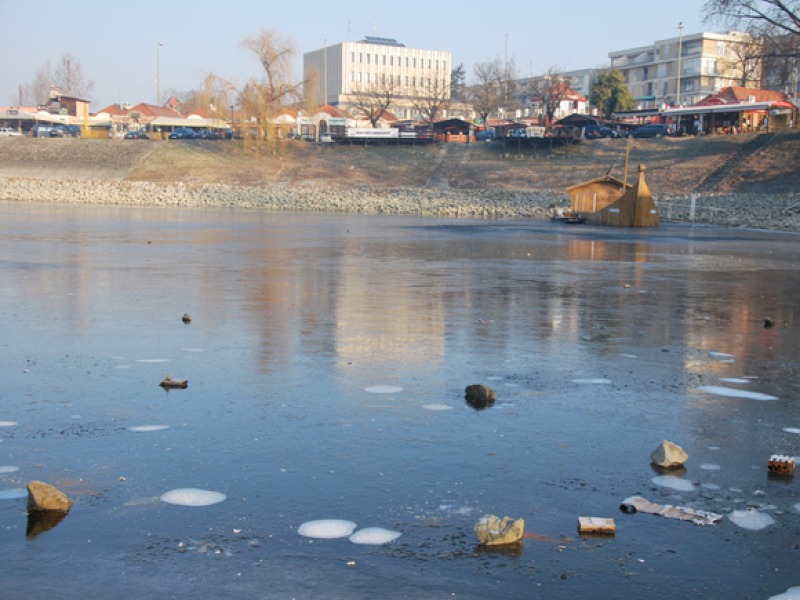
x: 717, y: 108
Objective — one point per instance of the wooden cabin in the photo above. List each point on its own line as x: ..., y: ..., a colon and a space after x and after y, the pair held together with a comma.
x: 596, y: 194
x: 634, y: 208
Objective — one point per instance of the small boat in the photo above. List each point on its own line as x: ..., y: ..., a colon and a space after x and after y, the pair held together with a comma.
x: 570, y: 217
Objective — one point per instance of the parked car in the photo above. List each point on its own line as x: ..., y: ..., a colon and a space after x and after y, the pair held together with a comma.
x: 41, y: 130
x: 485, y: 135
x: 183, y: 133
x: 66, y: 131
x: 209, y: 134
x: 8, y: 132
x: 651, y: 130
x: 136, y: 135
x: 594, y: 132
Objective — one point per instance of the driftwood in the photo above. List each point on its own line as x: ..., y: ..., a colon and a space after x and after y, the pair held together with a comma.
x: 170, y: 383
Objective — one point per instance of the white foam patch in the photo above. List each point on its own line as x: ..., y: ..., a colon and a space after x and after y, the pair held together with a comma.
x: 152, y: 361
x: 709, y: 486
x: 723, y: 356
x: 326, y: 529
x: 674, y: 483
x: 383, y: 389
x: 751, y: 519
x: 437, y: 407
x: 791, y: 430
x: 593, y: 381
x: 735, y: 380
x: 709, y: 467
x: 192, y: 497
x: 13, y: 493
x: 8, y: 469
x: 8, y: 423
x: 734, y: 393
x: 374, y: 536
x: 793, y: 593
x: 147, y: 428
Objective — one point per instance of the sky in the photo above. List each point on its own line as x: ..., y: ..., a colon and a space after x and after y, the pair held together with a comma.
x: 117, y: 43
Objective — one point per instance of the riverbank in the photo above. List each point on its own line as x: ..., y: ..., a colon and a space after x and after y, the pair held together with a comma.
x: 458, y: 181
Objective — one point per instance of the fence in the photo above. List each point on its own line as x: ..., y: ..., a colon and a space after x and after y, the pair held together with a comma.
x: 770, y: 211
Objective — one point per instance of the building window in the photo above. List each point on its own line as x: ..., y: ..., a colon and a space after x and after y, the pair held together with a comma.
x: 391, y: 61
x: 352, y: 57
x: 384, y: 60
x: 368, y: 57
x: 360, y: 57
x: 415, y: 63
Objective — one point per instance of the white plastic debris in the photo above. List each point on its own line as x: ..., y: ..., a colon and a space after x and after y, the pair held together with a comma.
x: 682, y: 513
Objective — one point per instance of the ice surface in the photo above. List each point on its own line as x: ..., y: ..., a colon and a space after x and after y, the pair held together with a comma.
x: 709, y: 467
x: 675, y: 483
x: 596, y: 380
x: 8, y: 469
x: 146, y: 428
x: 751, y: 519
x: 192, y: 497
x: 437, y: 407
x: 383, y: 389
x: 8, y: 423
x: 326, y: 529
x: 734, y: 393
x: 374, y: 536
x: 152, y: 360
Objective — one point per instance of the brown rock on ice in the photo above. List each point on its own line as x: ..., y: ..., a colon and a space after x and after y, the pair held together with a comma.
x: 43, y: 496
x: 479, y: 396
x: 493, y: 531
x: 669, y: 455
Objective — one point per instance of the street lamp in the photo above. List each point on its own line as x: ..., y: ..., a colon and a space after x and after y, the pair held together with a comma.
x: 680, y: 51
x: 158, y: 73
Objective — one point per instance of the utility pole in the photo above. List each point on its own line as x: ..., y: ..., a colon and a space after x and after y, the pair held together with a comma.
x: 158, y: 73
x: 680, y: 51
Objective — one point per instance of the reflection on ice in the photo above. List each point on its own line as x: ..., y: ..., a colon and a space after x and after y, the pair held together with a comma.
x: 751, y: 519
x: 326, y: 529
x: 734, y: 393
x: 383, y: 389
x: 675, y: 483
x: 192, y: 497
x: 374, y: 536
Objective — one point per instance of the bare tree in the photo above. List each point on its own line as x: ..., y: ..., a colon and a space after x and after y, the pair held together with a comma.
x: 745, y: 59
x: 782, y: 15
x: 781, y: 54
x: 67, y: 77
x: 263, y: 98
x: 430, y: 99
x: 372, y: 100
x: 487, y: 92
x: 549, y: 90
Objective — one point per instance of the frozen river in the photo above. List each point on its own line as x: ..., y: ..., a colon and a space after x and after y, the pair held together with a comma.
x: 327, y: 358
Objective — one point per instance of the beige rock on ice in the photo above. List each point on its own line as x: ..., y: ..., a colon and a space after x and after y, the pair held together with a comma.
x: 493, y: 531
x: 669, y: 455
x: 43, y: 496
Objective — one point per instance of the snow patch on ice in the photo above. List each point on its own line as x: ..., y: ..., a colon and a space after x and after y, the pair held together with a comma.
x: 735, y: 380
x: 675, y: 483
x: 8, y: 469
x: 598, y: 380
x: 146, y: 428
x: 437, y: 407
x: 751, y: 519
x: 709, y: 467
x: 374, y: 536
x: 793, y: 593
x: 791, y: 430
x: 734, y: 393
x: 192, y: 497
x: 709, y: 486
x: 152, y: 361
x: 13, y: 493
x: 721, y: 356
x: 383, y: 389
x: 326, y: 529
x: 8, y: 423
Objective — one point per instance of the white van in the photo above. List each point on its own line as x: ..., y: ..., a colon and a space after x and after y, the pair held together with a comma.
x: 8, y: 132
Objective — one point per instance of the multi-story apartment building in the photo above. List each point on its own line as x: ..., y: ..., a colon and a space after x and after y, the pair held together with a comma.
x: 685, y: 69
x: 340, y: 72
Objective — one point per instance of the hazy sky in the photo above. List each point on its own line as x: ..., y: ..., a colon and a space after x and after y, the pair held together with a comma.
x: 116, y: 42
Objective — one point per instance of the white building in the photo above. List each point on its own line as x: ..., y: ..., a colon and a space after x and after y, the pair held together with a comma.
x: 700, y: 64
x: 341, y: 71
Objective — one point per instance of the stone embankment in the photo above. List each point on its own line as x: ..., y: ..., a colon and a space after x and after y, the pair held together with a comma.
x: 759, y: 211
x: 311, y: 198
